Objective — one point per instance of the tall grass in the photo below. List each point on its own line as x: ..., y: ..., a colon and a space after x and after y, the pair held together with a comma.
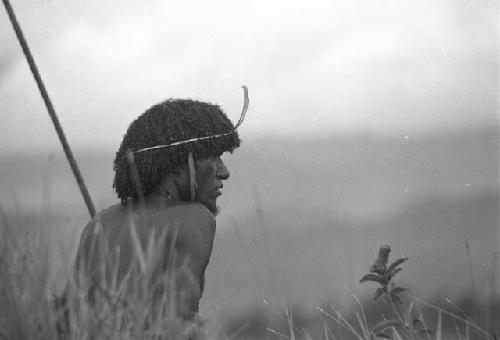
x: 143, y: 305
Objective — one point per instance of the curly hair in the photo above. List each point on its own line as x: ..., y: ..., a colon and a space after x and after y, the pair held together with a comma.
x: 168, y: 122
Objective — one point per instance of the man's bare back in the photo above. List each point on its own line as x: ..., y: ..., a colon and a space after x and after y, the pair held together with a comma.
x: 188, y: 229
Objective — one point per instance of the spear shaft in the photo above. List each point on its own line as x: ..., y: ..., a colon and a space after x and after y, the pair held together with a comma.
x: 50, y: 107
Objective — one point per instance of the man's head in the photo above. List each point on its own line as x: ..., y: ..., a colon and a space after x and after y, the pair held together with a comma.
x: 170, y: 122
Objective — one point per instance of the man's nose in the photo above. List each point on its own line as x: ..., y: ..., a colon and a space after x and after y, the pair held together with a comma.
x: 222, y: 171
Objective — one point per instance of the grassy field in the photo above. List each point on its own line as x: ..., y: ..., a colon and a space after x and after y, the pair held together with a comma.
x: 31, y: 309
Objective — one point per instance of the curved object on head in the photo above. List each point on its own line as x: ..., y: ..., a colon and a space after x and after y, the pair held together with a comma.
x: 246, y: 103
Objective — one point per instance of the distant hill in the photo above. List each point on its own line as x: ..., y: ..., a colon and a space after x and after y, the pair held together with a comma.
x: 362, y: 175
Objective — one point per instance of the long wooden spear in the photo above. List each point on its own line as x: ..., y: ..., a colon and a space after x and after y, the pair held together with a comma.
x: 50, y: 108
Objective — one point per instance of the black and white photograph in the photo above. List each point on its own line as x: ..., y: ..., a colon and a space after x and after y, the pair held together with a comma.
x: 246, y: 170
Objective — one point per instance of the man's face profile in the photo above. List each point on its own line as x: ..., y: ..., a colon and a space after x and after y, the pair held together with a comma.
x: 210, y: 172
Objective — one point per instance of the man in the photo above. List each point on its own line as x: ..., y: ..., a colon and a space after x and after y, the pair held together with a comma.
x: 168, y: 176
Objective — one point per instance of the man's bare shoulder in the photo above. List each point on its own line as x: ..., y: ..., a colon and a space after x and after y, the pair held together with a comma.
x: 188, y: 217
x: 111, y: 215
x: 183, y: 213
x: 103, y: 221
x: 192, y: 224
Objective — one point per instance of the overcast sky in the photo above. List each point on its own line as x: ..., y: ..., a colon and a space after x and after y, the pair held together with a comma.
x: 315, y: 67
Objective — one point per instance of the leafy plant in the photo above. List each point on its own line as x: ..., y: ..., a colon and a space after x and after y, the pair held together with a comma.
x: 383, y: 273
